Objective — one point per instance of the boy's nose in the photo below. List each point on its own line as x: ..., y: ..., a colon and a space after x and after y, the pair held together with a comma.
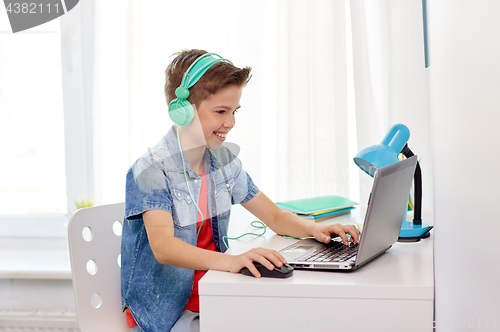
x: 229, y: 123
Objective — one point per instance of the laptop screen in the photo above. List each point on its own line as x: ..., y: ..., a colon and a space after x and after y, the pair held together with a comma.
x: 386, y: 208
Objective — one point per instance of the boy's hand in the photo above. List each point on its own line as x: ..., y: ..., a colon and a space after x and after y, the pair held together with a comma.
x: 267, y: 257
x: 324, y: 233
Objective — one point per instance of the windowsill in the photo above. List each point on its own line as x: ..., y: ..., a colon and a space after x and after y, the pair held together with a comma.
x: 34, y: 258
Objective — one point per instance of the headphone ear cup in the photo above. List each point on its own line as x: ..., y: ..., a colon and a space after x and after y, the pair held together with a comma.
x: 181, y: 112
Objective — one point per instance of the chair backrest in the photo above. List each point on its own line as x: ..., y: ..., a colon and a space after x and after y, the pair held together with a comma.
x: 94, y: 243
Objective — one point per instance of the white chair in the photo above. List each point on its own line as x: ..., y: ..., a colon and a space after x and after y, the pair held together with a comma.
x: 94, y: 245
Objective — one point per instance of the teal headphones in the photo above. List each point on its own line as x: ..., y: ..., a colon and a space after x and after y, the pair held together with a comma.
x: 180, y: 110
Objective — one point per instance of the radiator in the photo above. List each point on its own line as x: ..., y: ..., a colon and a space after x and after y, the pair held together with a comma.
x: 36, y: 329
x: 38, y: 324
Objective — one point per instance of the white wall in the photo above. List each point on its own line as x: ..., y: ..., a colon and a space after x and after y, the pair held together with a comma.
x: 465, y: 112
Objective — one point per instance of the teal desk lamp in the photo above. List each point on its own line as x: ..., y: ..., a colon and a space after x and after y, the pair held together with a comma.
x: 377, y: 156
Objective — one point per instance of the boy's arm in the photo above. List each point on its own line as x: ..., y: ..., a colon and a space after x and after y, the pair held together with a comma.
x: 286, y: 223
x: 170, y: 250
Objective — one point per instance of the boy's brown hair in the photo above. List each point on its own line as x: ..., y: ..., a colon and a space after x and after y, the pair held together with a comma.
x: 217, y: 77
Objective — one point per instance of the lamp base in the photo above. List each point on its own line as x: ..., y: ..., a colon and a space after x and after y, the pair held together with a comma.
x: 411, y: 231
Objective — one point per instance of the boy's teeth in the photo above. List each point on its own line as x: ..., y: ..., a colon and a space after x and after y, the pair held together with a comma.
x: 221, y: 134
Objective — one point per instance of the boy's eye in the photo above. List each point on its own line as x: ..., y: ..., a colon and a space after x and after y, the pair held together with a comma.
x: 224, y: 111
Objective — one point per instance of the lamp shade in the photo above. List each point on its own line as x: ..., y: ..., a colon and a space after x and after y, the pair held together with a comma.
x: 386, y: 153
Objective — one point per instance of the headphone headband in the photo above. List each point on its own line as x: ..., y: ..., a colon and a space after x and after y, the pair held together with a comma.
x: 200, y: 67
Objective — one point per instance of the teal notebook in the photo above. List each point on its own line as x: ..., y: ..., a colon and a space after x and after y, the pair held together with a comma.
x: 326, y: 215
x: 317, y: 205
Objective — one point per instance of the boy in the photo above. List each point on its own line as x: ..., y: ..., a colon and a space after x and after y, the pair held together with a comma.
x: 167, y: 245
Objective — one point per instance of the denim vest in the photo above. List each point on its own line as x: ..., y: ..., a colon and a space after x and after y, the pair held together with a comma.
x: 155, y: 293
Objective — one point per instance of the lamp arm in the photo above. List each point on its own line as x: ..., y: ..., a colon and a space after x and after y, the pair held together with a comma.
x: 417, y: 217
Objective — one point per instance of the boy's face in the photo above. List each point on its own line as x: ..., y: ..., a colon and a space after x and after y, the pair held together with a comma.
x: 216, y: 114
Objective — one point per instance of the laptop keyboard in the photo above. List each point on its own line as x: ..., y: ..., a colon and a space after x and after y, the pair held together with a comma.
x: 333, y: 252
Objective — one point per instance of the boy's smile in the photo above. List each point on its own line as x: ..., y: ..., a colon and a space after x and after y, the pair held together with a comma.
x: 217, y: 115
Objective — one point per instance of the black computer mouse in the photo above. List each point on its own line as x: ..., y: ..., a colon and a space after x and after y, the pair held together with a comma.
x: 279, y: 272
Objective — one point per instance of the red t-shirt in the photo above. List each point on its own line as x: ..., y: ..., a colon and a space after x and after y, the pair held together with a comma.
x: 205, y: 241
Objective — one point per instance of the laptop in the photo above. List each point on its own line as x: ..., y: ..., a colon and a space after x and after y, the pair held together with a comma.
x: 384, y: 215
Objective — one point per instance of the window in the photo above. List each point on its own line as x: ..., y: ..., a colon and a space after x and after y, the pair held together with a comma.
x: 31, y: 121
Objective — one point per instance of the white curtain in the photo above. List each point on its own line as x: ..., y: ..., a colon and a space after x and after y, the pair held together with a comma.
x: 316, y: 96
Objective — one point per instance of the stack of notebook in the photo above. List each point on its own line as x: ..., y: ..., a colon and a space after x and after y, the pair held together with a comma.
x: 319, y: 208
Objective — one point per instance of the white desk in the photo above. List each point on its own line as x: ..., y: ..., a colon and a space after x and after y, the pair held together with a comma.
x: 392, y: 293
